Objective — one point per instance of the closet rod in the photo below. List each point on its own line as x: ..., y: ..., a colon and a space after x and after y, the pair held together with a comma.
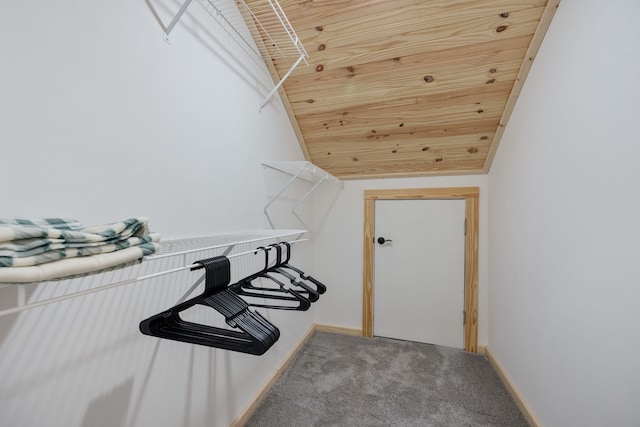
x: 20, y: 308
x: 218, y: 246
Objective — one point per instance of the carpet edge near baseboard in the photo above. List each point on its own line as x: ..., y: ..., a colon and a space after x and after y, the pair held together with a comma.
x: 506, y: 379
x: 251, y: 407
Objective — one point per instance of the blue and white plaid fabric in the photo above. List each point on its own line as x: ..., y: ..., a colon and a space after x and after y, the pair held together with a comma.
x: 31, y: 243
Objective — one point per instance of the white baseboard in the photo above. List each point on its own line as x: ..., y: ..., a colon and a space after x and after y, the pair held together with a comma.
x: 526, y: 410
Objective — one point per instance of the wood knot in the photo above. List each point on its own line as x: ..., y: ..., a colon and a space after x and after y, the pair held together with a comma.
x: 319, y: 28
x: 320, y: 68
x: 350, y: 69
x: 484, y: 138
x: 504, y: 15
x: 480, y: 111
x: 394, y: 151
x: 425, y: 148
x: 439, y: 159
x: 472, y: 150
x: 401, y: 124
x: 493, y: 70
x: 322, y: 47
x: 355, y: 159
x: 501, y: 28
x: 428, y: 78
x: 309, y: 101
x: 491, y: 81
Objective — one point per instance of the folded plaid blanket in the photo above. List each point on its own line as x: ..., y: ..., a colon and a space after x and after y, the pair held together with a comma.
x: 26, y: 243
x: 31, y: 243
x: 71, y: 267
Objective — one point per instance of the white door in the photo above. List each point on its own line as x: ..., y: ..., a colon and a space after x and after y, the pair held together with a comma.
x: 419, y: 271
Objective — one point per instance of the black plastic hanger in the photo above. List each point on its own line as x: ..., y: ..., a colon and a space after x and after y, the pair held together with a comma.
x: 255, y: 335
x: 245, y: 287
x: 320, y: 287
x: 311, y: 293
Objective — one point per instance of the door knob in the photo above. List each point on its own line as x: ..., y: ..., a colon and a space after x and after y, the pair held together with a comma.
x: 382, y: 240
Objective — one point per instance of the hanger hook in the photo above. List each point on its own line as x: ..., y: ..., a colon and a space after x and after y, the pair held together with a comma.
x: 266, y: 255
x: 278, y: 253
x: 288, y: 245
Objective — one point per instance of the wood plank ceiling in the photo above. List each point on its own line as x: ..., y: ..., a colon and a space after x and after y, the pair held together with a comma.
x: 408, y: 87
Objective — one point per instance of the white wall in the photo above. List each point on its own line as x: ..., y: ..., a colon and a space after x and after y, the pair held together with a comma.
x: 564, y: 236
x: 339, y: 248
x: 101, y: 120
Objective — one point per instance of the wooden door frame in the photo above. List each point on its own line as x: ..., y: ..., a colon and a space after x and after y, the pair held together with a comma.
x: 471, y: 196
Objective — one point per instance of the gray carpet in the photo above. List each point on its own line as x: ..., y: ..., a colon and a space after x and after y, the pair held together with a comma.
x: 340, y: 380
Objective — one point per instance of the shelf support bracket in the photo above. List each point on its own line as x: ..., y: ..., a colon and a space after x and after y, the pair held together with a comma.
x: 307, y: 194
x: 275, y: 89
x: 176, y: 18
x: 291, y: 181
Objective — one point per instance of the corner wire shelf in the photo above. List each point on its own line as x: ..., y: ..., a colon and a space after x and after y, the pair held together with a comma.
x: 305, y: 171
x: 268, y: 25
x: 182, y: 253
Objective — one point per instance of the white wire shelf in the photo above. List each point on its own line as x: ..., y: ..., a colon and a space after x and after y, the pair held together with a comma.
x: 277, y: 36
x: 259, y: 27
x: 174, y: 256
x: 309, y: 203
x: 302, y: 170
